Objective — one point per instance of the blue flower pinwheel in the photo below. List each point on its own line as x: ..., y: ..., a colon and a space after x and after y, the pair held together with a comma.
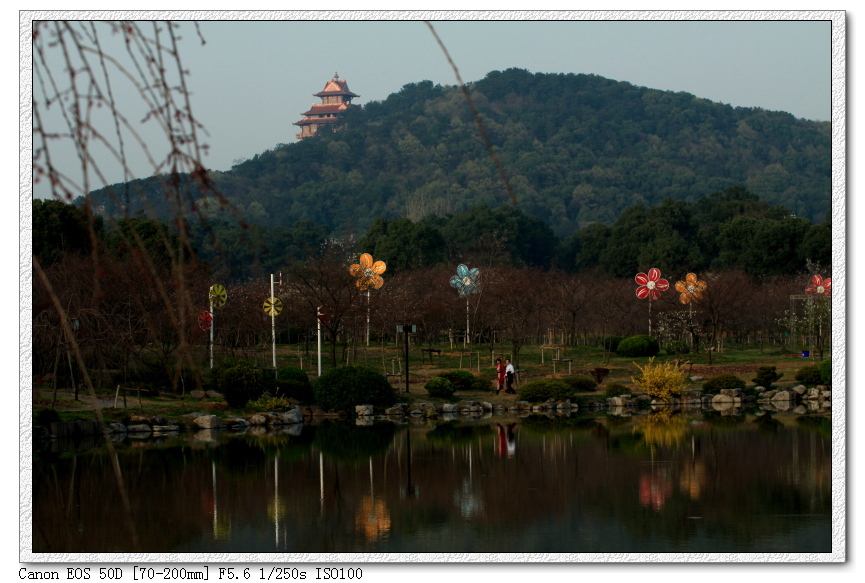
x: 466, y: 280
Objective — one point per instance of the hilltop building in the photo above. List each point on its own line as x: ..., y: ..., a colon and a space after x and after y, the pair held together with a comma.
x: 335, y: 100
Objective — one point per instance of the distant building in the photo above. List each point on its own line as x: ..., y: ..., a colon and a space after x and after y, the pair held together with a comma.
x: 335, y: 100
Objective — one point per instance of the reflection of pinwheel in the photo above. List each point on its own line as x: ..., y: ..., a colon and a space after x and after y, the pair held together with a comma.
x: 691, y: 289
x: 466, y: 280
x: 368, y: 274
x: 819, y: 286
x: 651, y: 285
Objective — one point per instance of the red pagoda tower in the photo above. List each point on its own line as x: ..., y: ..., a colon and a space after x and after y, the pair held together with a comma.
x: 335, y: 99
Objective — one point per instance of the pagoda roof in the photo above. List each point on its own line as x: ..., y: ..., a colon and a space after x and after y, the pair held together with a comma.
x: 315, y: 120
x: 335, y: 87
x: 325, y: 108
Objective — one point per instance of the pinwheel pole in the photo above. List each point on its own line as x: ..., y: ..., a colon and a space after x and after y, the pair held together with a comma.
x: 465, y: 341
x: 212, y: 326
x: 466, y: 282
x: 650, y: 286
x: 367, y: 316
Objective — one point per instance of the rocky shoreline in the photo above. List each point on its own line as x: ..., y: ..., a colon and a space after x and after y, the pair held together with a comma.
x: 798, y: 399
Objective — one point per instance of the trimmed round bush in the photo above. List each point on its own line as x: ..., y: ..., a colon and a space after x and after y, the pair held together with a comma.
x: 809, y: 376
x: 724, y: 381
x: 616, y: 389
x: 640, y: 345
x: 293, y: 383
x: 440, y: 388
x: 240, y: 384
x: 580, y: 383
x: 343, y: 387
x: 611, y: 343
x: 482, y: 384
x: 461, y: 379
x: 825, y: 369
x: 677, y: 348
x: 542, y: 390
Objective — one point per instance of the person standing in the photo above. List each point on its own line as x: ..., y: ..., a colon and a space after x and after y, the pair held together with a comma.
x: 500, y: 375
x: 509, y: 376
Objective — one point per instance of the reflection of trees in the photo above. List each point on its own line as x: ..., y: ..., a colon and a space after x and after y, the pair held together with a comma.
x: 464, y: 495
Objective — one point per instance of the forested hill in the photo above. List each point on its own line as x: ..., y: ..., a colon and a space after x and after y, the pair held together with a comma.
x: 577, y: 149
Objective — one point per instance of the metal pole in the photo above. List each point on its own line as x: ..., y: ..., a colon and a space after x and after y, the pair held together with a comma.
x: 212, y: 326
x: 318, y: 337
x: 465, y: 342
x: 273, y: 320
x: 406, y: 332
x: 367, y: 316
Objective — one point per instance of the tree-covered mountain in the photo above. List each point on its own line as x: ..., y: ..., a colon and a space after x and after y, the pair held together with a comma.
x: 577, y: 150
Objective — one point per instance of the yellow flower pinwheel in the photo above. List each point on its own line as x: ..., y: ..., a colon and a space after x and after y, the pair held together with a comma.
x: 691, y: 289
x: 368, y: 274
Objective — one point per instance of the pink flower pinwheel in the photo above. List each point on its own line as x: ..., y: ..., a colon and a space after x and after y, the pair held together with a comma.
x: 651, y: 285
x: 819, y: 286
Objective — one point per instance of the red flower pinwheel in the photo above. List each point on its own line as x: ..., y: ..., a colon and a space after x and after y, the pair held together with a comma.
x: 651, y: 285
x: 819, y: 286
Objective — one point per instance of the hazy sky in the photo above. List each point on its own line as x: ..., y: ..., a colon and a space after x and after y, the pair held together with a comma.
x: 253, y: 79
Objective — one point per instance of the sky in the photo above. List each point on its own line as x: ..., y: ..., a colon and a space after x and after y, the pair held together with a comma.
x: 252, y: 79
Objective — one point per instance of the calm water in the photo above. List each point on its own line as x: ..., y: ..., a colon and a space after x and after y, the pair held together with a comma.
x: 647, y: 484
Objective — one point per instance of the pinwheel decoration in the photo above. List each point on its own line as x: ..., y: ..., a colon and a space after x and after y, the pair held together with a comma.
x: 466, y: 280
x: 368, y: 274
x: 651, y: 285
x: 691, y: 289
x: 819, y: 286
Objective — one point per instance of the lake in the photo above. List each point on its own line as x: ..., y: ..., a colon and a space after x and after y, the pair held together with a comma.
x: 666, y: 482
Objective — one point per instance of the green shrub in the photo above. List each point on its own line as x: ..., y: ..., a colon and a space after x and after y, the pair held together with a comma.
x: 580, y: 384
x: 440, y: 388
x: 611, y: 343
x: 543, y: 390
x: 240, y: 384
x: 766, y: 375
x: 45, y: 417
x: 293, y: 383
x: 461, y: 379
x: 724, y: 381
x: 636, y: 346
x: 616, y: 389
x: 825, y: 368
x: 482, y: 384
x: 677, y: 348
x: 809, y: 376
x: 270, y: 403
x: 343, y: 387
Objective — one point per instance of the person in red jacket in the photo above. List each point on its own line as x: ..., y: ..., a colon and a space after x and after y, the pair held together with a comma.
x: 500, y: 375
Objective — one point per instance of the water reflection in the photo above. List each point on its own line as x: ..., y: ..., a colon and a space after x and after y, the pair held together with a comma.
x: 658, y: 482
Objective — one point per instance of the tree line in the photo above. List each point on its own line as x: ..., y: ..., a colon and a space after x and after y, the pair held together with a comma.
x: 136, y: 291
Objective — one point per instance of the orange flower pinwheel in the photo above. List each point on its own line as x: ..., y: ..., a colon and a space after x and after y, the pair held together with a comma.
x: 368, y: 274
x: 691, y: 289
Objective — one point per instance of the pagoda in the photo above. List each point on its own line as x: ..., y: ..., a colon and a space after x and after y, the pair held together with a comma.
x: 335, y: 100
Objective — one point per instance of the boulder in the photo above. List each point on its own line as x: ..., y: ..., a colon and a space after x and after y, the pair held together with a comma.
x: 139, y: 428
x: 207, y: 421
x: 801, y: 410
x: 731, y: 392
x: 191, y: 416
x: 196, y: 394
x: 800, y: 389
x: 238, y: 423
x: 258, y: 420
x: 161, y: 429
x: 398, y: 410
x: 213, y: 395
x: 697, y: 379
x: 364, y: 410
x: 116, y: 428
x: 782, y: 396
x: 364, y: 421
x: 292, y: 416
x: 450, y: 408
x: 539, y: 408
x: 826, y: 395
x: 522, y: 405
x: 616, y: 402
x: 723, y: 399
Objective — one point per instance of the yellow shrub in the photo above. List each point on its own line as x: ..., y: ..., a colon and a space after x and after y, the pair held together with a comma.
x: 660, y: 381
